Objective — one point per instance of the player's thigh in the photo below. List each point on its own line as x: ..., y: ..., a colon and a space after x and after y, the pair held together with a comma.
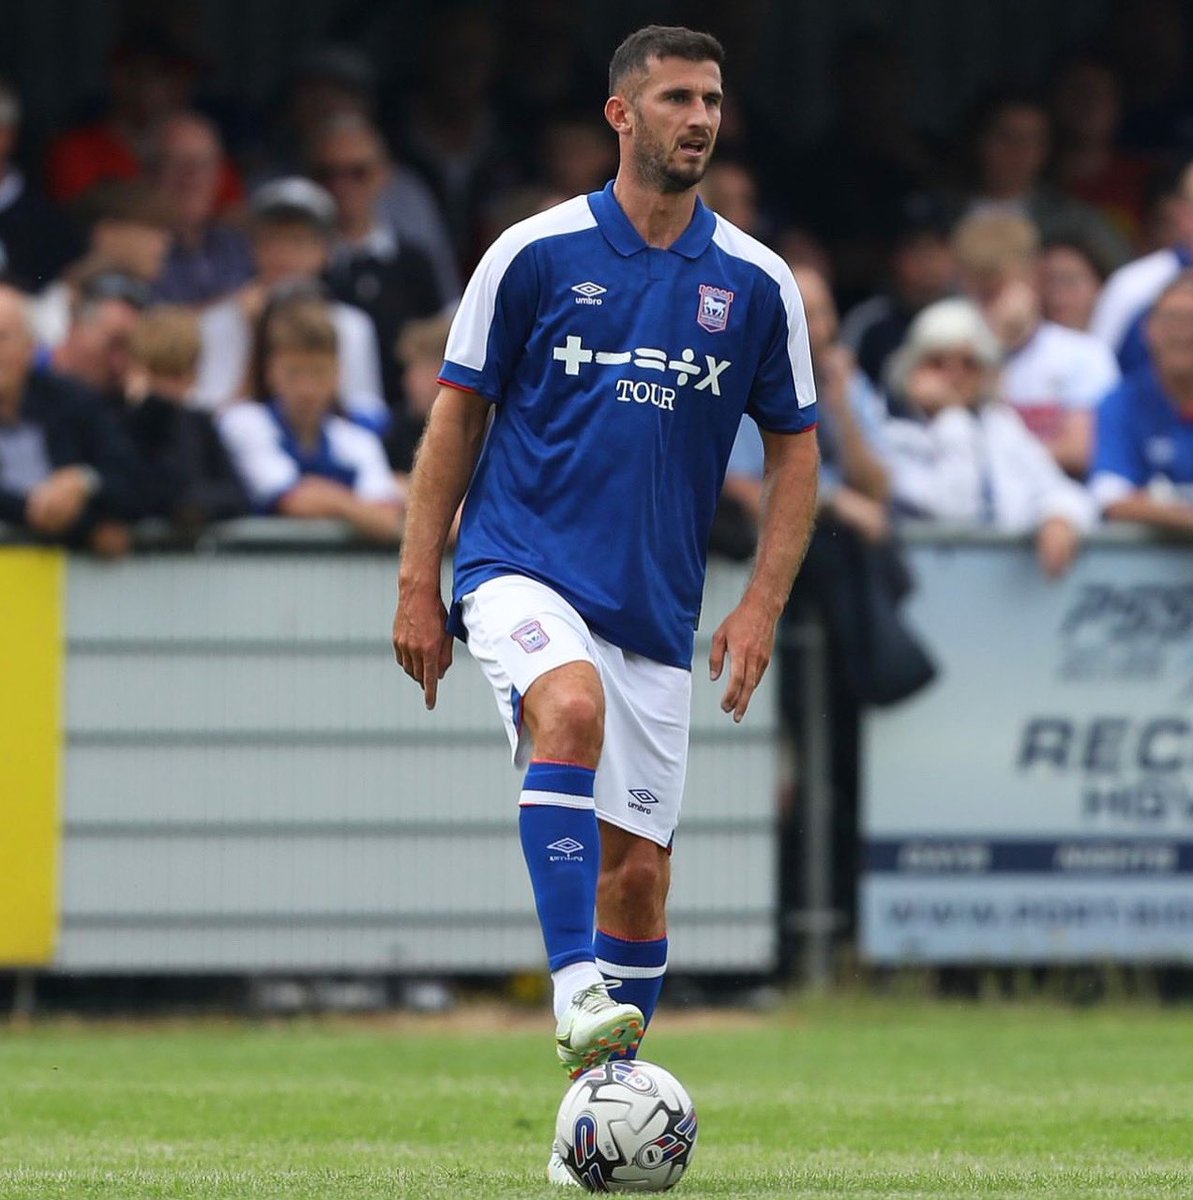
x: 643, y: 767
x: 521, y: 632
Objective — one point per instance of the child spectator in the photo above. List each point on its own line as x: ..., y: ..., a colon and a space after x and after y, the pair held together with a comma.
x: 1055, y: 377
x: 967, y: 456
x: 188, y: 477
x: 292, y: 225
x: 296, y: 455
x: 420, y: 351
x: 1070, y: 280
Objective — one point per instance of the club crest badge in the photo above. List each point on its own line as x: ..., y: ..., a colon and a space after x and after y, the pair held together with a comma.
x: 713, y: 313
x: 531, y: 637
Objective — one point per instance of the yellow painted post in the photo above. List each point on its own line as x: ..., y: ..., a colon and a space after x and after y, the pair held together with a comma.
x: 31, y: 671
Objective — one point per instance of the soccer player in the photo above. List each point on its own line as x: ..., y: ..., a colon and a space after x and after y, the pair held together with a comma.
x: 615, y: 341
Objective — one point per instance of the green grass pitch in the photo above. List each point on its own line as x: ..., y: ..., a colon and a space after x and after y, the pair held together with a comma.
x: 854, y: 1099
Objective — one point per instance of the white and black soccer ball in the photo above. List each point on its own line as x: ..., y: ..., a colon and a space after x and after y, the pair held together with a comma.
x: 626, y: 1127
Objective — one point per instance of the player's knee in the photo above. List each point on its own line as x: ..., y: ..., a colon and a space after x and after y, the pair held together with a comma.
x: 573, y: 724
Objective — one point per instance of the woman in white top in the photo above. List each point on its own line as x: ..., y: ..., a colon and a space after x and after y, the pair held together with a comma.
x: 964, y: 455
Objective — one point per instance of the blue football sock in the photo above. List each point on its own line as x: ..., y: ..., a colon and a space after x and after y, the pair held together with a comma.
x: 558, y: 825
x: 640, y: 966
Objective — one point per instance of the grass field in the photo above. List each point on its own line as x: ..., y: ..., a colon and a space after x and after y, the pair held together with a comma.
x: 853, y: 1099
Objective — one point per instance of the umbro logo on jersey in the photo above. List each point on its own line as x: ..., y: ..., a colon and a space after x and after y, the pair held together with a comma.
x: 589, y: 292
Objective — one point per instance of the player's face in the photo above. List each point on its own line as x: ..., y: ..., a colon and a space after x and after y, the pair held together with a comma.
x: 675, y: 116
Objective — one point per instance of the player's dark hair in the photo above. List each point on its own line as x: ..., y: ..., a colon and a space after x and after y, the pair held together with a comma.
x: 661, y: 41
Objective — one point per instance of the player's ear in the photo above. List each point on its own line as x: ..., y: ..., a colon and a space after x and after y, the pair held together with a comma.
x: 617, y: 113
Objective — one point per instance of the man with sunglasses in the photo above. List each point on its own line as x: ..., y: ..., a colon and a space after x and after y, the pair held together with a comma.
x: 372, y: 266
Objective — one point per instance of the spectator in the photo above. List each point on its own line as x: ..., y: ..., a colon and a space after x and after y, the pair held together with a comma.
x: 453, y: 137
x: 296, y: 456
x: 965, y: 456
x: 1088, y: 163
x: 869, y: 160
x: 67, y: 473
x: 854, y: 487
x: 420, y: 350
x: 96, y: 347
x: 151, y: 76
x: 920, y: 271
x: 1055, y: 377
x: 1150, y: 42
x: 349, y: 157
x: 187, y: 476
x: 36, y: 240
x: 293, y: 221
x: 1143, y: 465
x: 1011, y: 144
x: 1129, y: 293
x: 208, y: 258
x: 1070, y: 280
x: 577, y: 154
x: 729, y: 189
x: 390, y: 279
x: 128, y: 236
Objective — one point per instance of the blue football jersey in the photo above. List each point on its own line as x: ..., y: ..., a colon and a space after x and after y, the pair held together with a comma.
x: 619, y: 373
x: 1142, y: 441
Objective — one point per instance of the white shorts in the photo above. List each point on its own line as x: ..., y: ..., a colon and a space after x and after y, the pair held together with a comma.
x: 519, y: 629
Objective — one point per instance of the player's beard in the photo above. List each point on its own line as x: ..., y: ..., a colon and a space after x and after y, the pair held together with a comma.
x: 654, y: 168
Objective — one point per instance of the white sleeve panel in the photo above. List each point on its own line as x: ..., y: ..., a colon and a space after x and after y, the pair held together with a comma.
x: 468, y: 341
x: 733, y: 241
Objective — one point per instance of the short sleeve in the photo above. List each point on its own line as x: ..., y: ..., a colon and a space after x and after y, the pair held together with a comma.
x: 783, y: 398
x: 494, y: 320
x: 1118, y: 467
x: 251, y: 438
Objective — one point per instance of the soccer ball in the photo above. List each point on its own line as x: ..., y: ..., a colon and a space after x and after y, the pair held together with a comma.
x: 626, y: 1127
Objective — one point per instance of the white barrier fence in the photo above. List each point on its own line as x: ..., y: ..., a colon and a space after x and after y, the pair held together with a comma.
x: 252, y: 785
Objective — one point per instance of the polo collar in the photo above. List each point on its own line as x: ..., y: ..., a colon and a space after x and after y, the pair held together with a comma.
x: 626, y: 240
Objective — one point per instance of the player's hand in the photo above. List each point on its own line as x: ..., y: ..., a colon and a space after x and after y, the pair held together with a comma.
x: 747, y: 635
x: 422, y: 645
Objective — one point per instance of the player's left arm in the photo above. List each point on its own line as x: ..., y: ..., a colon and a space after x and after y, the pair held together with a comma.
x: 747, y: 635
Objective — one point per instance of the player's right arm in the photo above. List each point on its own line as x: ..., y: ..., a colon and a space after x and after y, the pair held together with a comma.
x: 443, y: 467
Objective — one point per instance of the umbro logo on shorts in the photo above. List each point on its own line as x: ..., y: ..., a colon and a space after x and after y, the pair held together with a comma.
x: 641, y: 800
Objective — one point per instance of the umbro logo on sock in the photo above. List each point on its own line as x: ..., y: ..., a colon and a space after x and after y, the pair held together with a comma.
x: 567, y: 845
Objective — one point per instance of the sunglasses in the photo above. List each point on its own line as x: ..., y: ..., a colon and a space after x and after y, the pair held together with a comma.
x: 357, y: 172
x: 939, y: 361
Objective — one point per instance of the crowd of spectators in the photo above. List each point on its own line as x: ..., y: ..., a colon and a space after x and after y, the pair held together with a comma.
x: 197, y: 324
